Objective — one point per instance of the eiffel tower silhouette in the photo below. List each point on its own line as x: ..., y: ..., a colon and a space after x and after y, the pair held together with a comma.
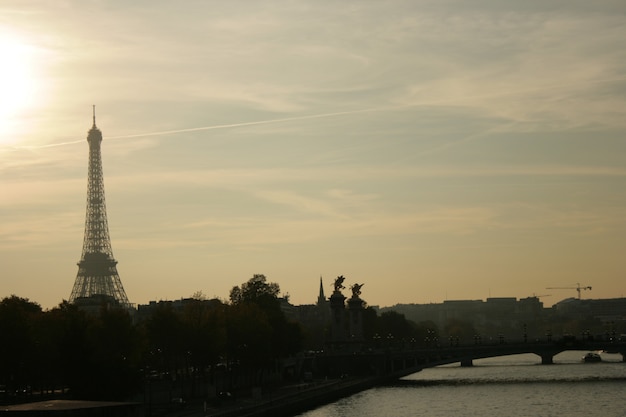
x: 97, y: 277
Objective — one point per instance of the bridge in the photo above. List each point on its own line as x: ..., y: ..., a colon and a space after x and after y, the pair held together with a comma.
x: 392, y: 363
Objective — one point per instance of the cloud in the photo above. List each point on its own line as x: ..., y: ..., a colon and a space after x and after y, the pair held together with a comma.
x: 39, y: 229
x: 254, y: 177
x: 256, y: 130
x: 264, y: 232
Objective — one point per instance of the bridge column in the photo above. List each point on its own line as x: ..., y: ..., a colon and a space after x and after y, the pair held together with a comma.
x: 467, y: 363
x: 547, y: 359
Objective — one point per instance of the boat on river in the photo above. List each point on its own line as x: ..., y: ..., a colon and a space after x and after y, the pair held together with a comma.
x: 592, y: 357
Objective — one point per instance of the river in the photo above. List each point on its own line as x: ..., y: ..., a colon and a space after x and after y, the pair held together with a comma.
x: 511, y: 386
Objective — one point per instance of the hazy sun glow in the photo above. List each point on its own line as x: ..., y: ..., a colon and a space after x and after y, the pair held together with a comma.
x: 18, y: 84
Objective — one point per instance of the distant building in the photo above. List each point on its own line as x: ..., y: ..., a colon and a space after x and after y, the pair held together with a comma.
x: 610, y: 310
x: 314, y: 314
x: 313, y: 318
x: 515, y: 319
x: 496, y: 317
x: 145, y: 311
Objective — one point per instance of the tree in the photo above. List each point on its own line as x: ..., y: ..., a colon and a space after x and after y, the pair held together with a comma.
x: 164, y: 334
x: 462, y: 330
x: 249, y: 336
x: 204, y: 333
x: 394, y: 324
x: 65, y: 348
x: 114, y: 361
x: 256, y: 290
x: 18, y: 317
x: 370, y: 323
x: 259, y: 300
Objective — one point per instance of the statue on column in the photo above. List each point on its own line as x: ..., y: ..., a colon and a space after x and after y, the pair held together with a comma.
x: 356, y: 290
x: 339, y: 283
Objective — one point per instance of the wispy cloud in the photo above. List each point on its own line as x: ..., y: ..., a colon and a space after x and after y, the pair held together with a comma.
x: 350, y: 129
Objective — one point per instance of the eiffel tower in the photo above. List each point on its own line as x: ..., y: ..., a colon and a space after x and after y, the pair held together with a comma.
x: 97, y: 279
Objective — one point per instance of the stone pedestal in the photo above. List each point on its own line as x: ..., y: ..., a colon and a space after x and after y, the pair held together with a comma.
x: 355, y: 313
x: 338, y: 327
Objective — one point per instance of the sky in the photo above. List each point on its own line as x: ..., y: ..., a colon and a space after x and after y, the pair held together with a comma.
x: 431, y: 150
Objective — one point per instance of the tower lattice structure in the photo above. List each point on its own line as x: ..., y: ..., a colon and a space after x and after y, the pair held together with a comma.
x: 97, y: 270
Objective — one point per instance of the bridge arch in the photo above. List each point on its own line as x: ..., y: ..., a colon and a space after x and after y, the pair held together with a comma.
x: 394, y: 364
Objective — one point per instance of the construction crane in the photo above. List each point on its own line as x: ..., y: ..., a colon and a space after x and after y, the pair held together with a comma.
x: 577, y: 288
x: 541, y: 295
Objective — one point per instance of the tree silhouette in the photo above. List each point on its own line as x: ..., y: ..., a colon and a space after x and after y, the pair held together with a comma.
x: 204, y: 334
x: 164, y: 339
x: 256, y: 290
x: 19, y: 345
x: 257, y: 308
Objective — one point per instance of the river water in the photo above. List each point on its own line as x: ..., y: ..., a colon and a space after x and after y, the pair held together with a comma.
x: 511, y: 386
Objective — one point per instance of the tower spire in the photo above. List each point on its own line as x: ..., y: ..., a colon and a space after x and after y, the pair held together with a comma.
x: 97, y: 277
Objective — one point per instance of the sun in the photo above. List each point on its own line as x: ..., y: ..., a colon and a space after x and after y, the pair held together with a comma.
x: 18, y: 83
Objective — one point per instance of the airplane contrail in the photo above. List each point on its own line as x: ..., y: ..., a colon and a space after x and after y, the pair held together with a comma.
x: 49, y: 145
x: 212, y: 127
x: 439, y: 102
x: 347, y: 112
x: 242, y: 124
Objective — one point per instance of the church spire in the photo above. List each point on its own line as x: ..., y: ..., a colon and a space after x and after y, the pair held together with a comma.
x: 321, y: 298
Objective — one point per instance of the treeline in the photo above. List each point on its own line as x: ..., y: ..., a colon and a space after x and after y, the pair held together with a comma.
x: 64, y: 348
x: 112, y: 355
